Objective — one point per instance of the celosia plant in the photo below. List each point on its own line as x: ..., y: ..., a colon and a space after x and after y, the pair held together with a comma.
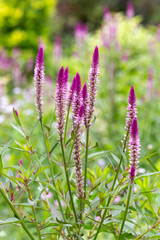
x: 56, y: 194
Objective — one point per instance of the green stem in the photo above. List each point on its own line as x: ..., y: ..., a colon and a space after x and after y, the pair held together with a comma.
x: 70, y: 154
x: 86, y: 160
x: 66, y: 125
x: 140, y: 237
x: 36, y: 223
x: 126, y: 210
x: 67, y: 178
x: 16, y: 214
x: 113, y: 185
x: 52, y: 173
x: 109, y: 199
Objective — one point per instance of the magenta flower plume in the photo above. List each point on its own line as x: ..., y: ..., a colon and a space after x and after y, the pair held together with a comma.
x: 85, y: 103
x: 39, y: 81
x: 60, y: 101
x: 134, y: 146
x: 93, y: 84
x: 77, y: 154
x: 71, y: 92
x: 131, y: 114
x: 77, y: 101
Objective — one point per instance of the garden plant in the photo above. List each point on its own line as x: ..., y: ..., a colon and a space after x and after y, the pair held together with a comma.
x: 53, y: 193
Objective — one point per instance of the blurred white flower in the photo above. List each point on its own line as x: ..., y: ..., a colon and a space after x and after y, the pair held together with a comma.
x: 17, y: 90
x: 2, y: 118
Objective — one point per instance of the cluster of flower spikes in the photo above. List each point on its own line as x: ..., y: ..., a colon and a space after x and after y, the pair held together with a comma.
x: 39, y: 81
x: 131, y: 114
x: 82, y: 108
x: 134, y: 146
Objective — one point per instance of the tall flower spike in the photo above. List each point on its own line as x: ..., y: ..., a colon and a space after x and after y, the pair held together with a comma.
x: 60, y: 100
x: 93, y: 84
x: 39, y: 81
x: 85, y: 103
x: 77, y: 154
x: 134, y: 146
x: 77, y: 101
x: 131, y: 114
x: 71, y: 92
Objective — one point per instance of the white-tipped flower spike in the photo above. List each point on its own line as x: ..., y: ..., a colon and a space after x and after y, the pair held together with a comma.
x: 77, y: 154
x: 39, y: 81
x: 131, y: 114
x: 60, y: 101
x: 134, y: 146
x: 93, y: 84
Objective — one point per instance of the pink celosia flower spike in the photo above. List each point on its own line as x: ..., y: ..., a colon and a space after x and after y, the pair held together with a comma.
x: 77, y: 101
x: 71, y: 92
x: 93, y: 84
x: 134, y: 146
x: 39, y: 81
x: 85, y: 103
x: 77, y: 154
x: 131, y: 114
x: 60, y: 101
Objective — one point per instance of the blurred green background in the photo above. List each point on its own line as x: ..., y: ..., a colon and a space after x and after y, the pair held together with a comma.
x: 129, y: 46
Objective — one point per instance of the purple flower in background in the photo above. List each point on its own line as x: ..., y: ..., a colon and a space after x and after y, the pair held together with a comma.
x: 20, y: 162
x: 109, y: 34
x: 134, y: 146
x: 130, y: 10
x: 107, y: 14
x: 46, y: 195
x: 131, y: 114
x: 57, y: 51
x: 158, y: 33
x: 150, y: 84
x: 60, y: 101
x: 85, y: 103
x: 77, y: 101
x: 117, y: 199
x: 93, y: 84
x: 81, y: 31
x: 71, y: 92
x: 39, y: 81
x: 77, y: 154
x: 5, y: 61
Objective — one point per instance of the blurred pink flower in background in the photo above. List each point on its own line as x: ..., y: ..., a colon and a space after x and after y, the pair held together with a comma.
x: 130, y: 10
x: 150, y: 84
x: 80, y: 32
x: 57, y: 50
x: 107, y: 14
x: 117, y: 199
x: 57, y: 204
x: 46, y: 195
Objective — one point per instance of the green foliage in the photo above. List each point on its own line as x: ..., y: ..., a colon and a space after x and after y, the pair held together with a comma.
x: 22, y: 23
